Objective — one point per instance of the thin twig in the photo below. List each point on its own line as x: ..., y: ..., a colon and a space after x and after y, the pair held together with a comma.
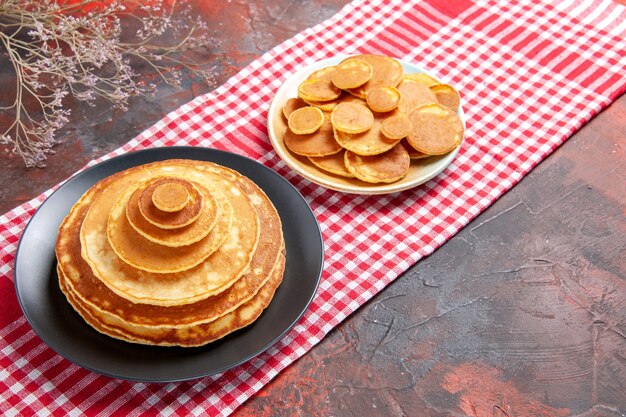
x: 76, y: 48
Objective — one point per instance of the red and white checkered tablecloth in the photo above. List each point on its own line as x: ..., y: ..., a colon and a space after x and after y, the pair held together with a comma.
x: 530, y: 72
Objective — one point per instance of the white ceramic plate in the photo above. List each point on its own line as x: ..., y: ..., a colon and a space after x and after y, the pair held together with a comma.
x: 420, y: 171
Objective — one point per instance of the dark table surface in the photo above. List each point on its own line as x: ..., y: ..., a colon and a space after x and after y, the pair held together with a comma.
x: 522, y: 313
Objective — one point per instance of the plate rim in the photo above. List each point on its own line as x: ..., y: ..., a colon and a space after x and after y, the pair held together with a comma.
x: 374, y: 189
x: 157, y: 152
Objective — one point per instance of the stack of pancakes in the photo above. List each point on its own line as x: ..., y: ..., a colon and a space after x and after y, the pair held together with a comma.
x: 172, y: 253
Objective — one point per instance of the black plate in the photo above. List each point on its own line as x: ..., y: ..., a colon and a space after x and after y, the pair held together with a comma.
x: 58, y: 325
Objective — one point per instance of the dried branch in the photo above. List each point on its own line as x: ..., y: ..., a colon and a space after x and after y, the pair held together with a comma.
x: 85, y: 49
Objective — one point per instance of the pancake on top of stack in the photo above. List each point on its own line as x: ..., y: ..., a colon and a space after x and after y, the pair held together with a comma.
x: 171, y: 253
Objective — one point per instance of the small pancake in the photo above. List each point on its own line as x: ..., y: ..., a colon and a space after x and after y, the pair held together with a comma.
x: 436, y: 129
x: 388, y: 167
x: 212, y: 276
x: 181, y: 236
x: 319, y: 143
x: 414, y: 94
x: 351, y: 117
x: 172, y: 195
x: 396, y: 126
x: 372, y: 142
x: 332, y: 163
x: 291, y: 105
x: 421, y: 78
x: 414, y: 154
x: 352, y: 73
x: 385, y: 71
x: 383, y: 98
x: 447, y: 96
x: 173, y: 219
x: 318, y: 89
x: 305, y: 120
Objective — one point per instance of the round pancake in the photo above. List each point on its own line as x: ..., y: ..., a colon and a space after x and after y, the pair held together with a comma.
x: 318, y: 89
x: 447, y: 96
x: 332, y: 163
x: 319, y: 143
x: 351, y: 117
x: 181, y: 236
x: 387, y: 167
x: 101, y: 299
x: 396, y: 126
x: 188, y: 336
x: 383, y: 98
x: 385, y: 71
x: 210, y: 277
x: 144, y: 254
x: 305, y: 120
x: 436, y: 130
x: 174, y: 219
x: 414, y: 94
x: 172, y: 194
x: 371, y: 142
x: 352, y: 73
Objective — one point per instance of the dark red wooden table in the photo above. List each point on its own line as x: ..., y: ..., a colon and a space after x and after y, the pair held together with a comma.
x: 523, y: 313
